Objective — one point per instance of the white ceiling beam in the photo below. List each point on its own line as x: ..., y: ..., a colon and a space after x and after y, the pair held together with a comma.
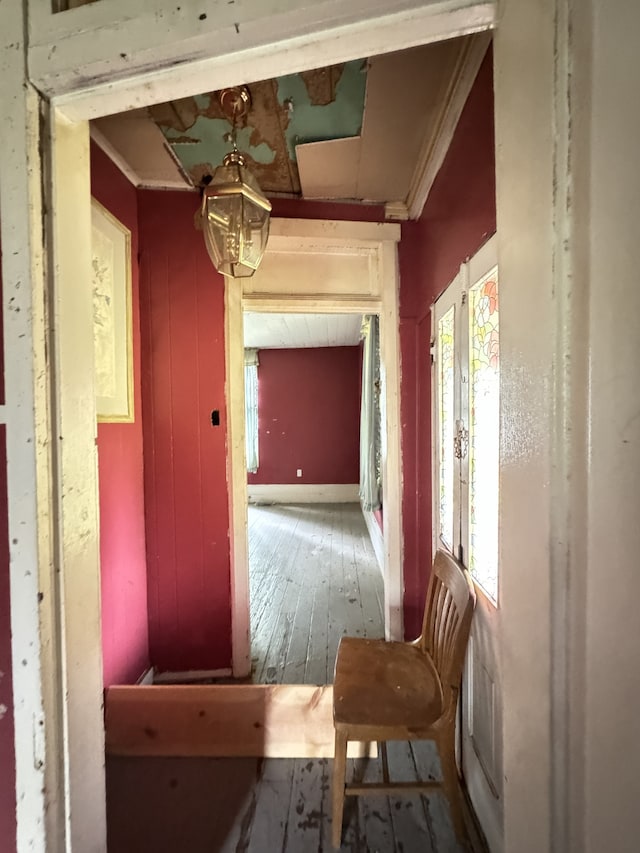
x: 104, y: 58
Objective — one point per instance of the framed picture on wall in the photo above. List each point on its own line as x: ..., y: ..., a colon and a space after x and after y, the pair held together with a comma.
x: 112, y: 330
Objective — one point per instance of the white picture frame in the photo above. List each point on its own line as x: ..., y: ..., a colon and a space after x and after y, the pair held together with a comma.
x: 112, y: 326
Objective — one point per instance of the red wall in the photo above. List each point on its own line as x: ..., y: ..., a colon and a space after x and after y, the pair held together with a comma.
x: 459, y: 216
x: 125, y: 641
x: 309, y: 413
x: 7, y: 753
x: 183, y: 380
x: 183, y: 359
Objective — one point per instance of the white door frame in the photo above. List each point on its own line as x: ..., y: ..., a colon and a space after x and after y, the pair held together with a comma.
x: 374, y: 245
x: 165, y: 51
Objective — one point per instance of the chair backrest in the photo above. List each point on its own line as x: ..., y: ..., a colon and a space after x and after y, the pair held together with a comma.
x: 451, y: 599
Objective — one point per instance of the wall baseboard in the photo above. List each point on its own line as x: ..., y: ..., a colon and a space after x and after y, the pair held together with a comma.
x: 303, y: 493
x: 376, y: 536
x: 190, y: 675
x: 147, y: 676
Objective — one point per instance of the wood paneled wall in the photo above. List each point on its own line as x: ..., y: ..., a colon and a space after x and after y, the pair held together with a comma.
x: 187, y: 518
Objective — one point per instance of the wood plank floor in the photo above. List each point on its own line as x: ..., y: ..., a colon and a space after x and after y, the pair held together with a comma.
x: 200, y: 805
x: 313, y: 577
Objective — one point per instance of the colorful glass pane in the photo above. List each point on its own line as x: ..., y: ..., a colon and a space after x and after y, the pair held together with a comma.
x: 484, y: 432
x: 446, y: 423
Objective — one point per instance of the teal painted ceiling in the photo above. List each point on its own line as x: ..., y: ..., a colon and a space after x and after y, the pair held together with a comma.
x: 319, y: 105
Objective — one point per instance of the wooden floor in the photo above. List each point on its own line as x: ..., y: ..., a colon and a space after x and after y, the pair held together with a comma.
x: 313, y: 577
x: 199, y: 805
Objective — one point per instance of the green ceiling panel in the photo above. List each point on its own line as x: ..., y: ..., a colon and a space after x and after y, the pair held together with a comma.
x: 314, y: 123
x: 206, y: 143
x: 312, y: 106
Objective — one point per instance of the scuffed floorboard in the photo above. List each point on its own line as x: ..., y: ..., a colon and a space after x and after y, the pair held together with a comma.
x: 200, y: 805
x: 313, y: 577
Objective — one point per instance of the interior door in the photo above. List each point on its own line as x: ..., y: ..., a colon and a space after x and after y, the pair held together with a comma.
x: 466, y: 472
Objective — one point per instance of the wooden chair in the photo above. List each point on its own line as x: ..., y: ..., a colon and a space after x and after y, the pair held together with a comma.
x: 406, y: 691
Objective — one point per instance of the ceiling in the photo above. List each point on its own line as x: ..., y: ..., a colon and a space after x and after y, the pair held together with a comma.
x: 365, y: 130
x: 283, y: 331
x: 370, y: 130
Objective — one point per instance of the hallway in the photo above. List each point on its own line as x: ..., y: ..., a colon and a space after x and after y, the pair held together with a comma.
x: 314, y: 577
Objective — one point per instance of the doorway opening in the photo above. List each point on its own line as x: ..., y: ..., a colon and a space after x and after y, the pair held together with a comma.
x: 333, y: 268
x: 314, y: 572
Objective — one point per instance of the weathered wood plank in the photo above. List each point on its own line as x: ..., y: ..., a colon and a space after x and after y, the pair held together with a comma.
x: 408, y: 812
x: 437, y: 805
x: 283, y: 721
x: 299, y: 608
x: 305, y: 813
x: 269, y: 825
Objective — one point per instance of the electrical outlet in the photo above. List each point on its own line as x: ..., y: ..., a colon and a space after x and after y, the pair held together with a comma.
x: 299, y: 472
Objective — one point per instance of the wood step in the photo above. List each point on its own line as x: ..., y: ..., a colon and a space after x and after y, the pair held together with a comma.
x: 248, y: 720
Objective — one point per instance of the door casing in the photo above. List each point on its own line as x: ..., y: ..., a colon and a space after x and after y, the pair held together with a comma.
x: 373, y: 288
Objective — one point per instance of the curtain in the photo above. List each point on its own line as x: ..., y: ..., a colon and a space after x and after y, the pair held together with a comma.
x: 370, y: 468
x: 251, y: 408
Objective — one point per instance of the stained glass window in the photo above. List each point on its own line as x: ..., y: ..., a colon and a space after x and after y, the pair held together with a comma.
x: 484, y: 431
x: 446, y: 422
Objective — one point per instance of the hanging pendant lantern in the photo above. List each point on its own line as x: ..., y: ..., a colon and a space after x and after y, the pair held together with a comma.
x: 235, y: 213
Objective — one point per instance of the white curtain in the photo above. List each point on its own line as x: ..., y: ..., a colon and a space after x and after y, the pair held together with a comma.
x: 251, y: 408
x: 370, y: 475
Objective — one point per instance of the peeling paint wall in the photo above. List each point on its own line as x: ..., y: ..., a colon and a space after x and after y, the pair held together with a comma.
x: 7, y: 753
x: 7, y: 750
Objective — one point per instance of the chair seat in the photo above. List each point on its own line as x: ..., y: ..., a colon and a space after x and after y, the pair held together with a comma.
x: 385, y: 685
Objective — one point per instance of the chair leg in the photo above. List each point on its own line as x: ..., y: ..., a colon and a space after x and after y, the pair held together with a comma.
x: 339, y: 778
x: 451, y: 785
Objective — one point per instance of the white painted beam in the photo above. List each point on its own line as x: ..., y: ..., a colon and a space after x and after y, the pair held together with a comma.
x: 237, y: 478
x: 76, y: 486
x: 391, y: 448
x: 127, y: 55
x: 40, y: 800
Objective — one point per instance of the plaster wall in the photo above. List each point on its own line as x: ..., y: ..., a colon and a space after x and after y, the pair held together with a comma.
x: 309, y: 413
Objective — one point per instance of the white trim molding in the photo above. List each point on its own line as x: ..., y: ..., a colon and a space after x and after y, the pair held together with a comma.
x: 376, y: 537
x: 375, y: 289
x: 436, y: 146
x: 109, y: 57
x: 303, y: 493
